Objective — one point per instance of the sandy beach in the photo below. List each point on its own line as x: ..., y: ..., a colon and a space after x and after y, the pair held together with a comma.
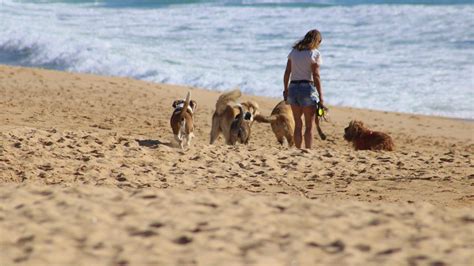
x: 88, y: 177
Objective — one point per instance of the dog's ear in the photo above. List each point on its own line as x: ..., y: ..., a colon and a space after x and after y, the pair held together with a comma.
x: 358, y: 124
x: 254, y: 112
x: 252, y: 107
x: 175, y: 103
x: 193, y: 105
x: 357, y: 127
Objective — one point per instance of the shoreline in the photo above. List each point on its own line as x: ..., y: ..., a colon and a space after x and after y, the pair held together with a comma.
x: 471, y: 120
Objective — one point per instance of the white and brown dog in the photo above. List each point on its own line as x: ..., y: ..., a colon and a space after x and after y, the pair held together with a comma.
x: 182, y: 121
x: 226, y: 112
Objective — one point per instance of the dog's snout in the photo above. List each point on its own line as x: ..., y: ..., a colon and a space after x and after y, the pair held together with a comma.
x: 346, y: 134
x: 248, y: 116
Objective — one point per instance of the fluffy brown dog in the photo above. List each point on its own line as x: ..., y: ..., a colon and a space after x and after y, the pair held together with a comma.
x: 282, y: 122
x: 364, y: 139
x: 225, y: 113
x: 240, y: 128
x: 182, y: 121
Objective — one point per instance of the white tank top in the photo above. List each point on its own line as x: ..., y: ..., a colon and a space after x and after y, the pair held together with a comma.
x: 301, y: 62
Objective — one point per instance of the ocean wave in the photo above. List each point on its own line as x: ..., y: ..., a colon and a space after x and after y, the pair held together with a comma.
x: 396, y: 58
x: 286, y: 3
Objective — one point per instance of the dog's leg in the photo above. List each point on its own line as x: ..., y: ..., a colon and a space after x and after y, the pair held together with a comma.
x: 242, y: 137
x: 233, y: 138
x: 177, y: 138
x: 228, y: 139
x: 281, y: 140
x: 318, y: 127
x: 188, y: 139
x: 215, y: 129
x: 290, y: 140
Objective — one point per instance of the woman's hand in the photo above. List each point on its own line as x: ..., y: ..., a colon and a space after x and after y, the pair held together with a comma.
x: 285, y: 95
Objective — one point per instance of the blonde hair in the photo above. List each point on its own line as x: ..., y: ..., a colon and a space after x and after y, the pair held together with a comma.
x: 311, y: 41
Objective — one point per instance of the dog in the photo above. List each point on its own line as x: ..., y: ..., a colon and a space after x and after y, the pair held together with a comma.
x: 225, y: 113
x: 364, y: 139
x: 182, y: 121
x: 283, y: 123
x: 240, y: 127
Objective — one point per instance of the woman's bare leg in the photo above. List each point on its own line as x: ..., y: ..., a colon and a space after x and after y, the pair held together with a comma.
x: 297, y: 112
x: 309, y: 114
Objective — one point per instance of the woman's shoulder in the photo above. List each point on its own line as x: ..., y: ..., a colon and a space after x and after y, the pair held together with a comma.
x: 305, y: 53
x: 296, y: 51
x: 316, y: 56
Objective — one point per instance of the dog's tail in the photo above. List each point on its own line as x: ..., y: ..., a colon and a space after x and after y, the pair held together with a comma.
x: 240, y: 117
x: 185, y: 106
x: 225, y: 98
x: 265, y: 119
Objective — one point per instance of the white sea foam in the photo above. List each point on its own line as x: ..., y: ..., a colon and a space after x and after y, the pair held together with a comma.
x: 407, y: 58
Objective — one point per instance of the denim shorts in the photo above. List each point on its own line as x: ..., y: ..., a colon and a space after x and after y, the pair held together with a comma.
x: 302, y: 94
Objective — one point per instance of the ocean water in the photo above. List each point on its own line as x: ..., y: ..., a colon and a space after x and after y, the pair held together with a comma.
x: 404, y: 56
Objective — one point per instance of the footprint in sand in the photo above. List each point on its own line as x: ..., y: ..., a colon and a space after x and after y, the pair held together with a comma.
x: 45, y: 167
x: 121, y: 177
x: 142, y: 233
x: 183, y: 240
x: 363, y: 247
x: 331, y: 248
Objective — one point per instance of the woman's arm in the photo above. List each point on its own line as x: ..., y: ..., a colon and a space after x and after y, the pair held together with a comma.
x: 286, y: 79
x: 317, y: 81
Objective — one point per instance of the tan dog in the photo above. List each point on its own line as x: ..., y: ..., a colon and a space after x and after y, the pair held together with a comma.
x: 364, y: 139
x: 182, y: 121
x: 225, y: 113
x: 283, y: 123
x: 240, y: 128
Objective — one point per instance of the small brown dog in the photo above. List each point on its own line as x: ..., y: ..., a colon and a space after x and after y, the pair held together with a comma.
x: 182, y: 121
x: 364, y: 139
x: 226, y: 111
x: 282, y: 122
x: 240, y: 127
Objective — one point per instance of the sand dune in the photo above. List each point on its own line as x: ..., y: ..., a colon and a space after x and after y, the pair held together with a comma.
x: 88, y: 176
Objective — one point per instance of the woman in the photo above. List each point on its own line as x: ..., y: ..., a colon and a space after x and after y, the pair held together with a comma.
x: 303, y: 68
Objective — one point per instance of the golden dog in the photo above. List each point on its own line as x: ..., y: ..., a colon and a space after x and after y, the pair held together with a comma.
x: 364, y: 139
x: 283, y: 123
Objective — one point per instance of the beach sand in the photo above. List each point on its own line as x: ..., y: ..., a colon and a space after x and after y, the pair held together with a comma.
x: 88, y: 177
